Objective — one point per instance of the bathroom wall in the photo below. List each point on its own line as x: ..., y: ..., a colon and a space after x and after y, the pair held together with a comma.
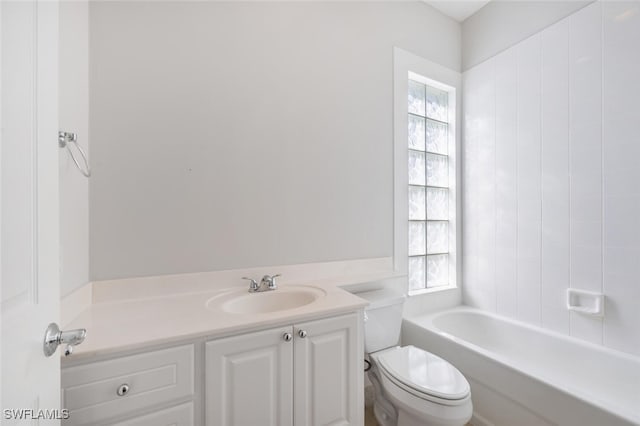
x: 551, y: 197
x: 501, y: 24
x: 244, y: 134
x: 74, y: 117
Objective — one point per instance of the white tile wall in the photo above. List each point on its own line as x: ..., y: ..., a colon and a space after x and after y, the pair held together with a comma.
x: 479, y: 121
x: 555, y: 177
x: 528, y: 178
x: 506, y: 80
x: 585, y: 160
x: 621, y: 117
x: 551, y: 178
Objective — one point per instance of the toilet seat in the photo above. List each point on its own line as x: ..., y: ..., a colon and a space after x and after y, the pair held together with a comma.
x: 424, y: 375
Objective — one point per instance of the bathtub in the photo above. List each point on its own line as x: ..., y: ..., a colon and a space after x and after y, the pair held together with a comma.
x: 522, y: 375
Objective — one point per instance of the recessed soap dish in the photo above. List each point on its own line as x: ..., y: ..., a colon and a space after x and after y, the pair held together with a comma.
x: 585, y: 302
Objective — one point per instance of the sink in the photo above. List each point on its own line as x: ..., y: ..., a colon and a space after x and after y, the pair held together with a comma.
x: 281, y: 299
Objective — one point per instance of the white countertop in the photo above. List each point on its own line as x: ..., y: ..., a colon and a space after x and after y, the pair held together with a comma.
x: 123, y: 324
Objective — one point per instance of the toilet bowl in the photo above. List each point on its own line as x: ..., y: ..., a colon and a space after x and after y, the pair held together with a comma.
x: 411, y: 386
x: 423, y: 388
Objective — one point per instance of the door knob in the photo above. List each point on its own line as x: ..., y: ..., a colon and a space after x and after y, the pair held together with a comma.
x: 53, y: 337
x: 302, y: 333
x: 287, y: 337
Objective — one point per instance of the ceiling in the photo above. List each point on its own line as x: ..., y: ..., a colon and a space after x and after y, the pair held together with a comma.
x: 457, y: 9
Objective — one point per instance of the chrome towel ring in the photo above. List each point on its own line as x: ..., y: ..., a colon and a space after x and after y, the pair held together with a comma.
x: 64, y: 139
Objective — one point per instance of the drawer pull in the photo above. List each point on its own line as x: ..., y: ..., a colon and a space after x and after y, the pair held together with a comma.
x: 123, y: 390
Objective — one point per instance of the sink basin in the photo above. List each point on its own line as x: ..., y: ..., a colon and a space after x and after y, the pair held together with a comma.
x: 281, y: 299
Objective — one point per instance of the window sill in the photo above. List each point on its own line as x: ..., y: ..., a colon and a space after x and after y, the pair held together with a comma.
x: 431, y: 290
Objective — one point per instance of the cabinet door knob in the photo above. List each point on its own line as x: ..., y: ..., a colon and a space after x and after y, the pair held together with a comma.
x: 287, y: 337
x: 123, y: 390
x: 302, y: 333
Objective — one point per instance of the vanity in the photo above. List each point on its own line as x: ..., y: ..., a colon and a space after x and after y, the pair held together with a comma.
x: 217, y: 357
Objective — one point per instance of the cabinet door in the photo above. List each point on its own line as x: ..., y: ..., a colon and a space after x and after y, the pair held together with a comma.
x: 249, y: 380
x: 328, y: 372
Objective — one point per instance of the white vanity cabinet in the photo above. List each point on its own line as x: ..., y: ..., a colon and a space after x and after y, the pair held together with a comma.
x: 307, y: 374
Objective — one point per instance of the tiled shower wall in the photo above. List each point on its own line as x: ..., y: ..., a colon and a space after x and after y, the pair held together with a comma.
x: 552, y: 176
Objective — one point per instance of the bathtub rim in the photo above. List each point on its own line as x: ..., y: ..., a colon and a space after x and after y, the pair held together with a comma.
x: 426, y: 321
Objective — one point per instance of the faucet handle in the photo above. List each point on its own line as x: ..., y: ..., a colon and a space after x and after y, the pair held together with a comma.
x: 271, y: 281
x: 253, y: 285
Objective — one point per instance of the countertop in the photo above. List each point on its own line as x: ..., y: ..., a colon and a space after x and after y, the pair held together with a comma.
x: 130, y: 324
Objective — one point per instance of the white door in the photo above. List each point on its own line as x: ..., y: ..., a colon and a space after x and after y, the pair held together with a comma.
x: 29, y: 215
x: 249, y: 379
x: 327, y: 367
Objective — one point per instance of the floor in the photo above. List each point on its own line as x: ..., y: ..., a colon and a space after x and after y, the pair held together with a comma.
x: 369, y: 418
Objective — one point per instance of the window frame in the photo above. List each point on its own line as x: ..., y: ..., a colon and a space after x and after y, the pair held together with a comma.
x: 409, y: 66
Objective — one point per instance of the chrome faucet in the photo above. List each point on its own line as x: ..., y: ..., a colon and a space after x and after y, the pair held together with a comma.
x: 268, y: 282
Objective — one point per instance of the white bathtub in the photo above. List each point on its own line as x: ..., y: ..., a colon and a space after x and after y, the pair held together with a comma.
x: 522, y: 375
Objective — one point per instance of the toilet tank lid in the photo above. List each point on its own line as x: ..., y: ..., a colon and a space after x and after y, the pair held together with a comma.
x: 382, y: 297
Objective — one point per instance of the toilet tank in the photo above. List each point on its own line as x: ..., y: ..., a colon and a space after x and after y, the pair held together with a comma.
x: 383, y: 318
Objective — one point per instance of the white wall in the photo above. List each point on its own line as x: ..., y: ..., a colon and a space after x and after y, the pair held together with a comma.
x: 74, y: 117
x: 232, y: 135
x: 501, y: 24
x: 551, y: 197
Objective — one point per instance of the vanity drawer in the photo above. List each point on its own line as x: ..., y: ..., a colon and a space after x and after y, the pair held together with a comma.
x: 182, y: 415
x: 106, y: 389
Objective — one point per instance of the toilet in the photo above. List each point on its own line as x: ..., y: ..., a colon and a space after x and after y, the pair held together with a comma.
x: 412, y: 387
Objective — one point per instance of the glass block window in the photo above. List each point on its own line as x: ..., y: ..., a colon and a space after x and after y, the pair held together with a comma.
x: 429, y: 193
